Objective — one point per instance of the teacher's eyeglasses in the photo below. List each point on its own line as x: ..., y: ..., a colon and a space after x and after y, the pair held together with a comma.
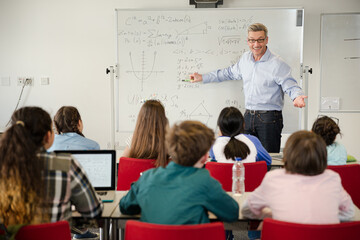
x: 260, y: 40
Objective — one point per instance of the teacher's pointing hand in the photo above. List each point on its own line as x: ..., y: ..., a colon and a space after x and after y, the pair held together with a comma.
x: 299, y: 101
x: 195, y: 77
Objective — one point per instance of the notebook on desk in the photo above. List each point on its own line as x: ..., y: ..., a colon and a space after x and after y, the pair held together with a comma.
x: 99, y: 166
x: 276, y: 156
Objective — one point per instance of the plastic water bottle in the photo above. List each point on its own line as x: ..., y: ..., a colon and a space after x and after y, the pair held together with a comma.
x: 238, y: 177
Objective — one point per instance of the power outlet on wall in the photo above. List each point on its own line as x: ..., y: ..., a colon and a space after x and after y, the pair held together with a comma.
x: 28, y: 81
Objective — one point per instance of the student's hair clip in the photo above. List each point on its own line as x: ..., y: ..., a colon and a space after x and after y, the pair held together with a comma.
x: 19, y: 122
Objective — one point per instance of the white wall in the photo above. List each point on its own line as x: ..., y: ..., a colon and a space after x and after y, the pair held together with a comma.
x: 73, y: 42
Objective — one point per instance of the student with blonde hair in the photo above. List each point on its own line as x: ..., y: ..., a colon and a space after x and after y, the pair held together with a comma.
x: 183, y: 192
x: 148, y: 140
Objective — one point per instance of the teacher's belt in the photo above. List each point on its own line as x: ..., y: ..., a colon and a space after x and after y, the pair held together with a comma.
x: 260, y: 111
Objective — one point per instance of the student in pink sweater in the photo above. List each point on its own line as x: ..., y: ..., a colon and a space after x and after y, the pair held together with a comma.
x: 304, y: 191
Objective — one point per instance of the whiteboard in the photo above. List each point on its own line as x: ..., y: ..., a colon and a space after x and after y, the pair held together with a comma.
x: 157, y: 49
x: 340, y: 62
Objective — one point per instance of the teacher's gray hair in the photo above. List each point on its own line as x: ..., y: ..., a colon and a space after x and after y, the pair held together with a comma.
x: 257, y: 27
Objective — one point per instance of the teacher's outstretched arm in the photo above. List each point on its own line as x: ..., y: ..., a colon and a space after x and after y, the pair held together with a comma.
x: 195, y: 77
x: 299, y: 101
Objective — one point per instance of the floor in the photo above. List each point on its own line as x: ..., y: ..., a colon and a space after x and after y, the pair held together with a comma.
x: 240, y: 235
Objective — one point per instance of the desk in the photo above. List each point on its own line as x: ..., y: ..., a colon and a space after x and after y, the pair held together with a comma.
x: 112, y: 214
x: 119, y: 219
x: 276, y: 161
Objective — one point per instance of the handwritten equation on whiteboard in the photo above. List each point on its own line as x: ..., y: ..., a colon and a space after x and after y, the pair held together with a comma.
x: 158, y: 49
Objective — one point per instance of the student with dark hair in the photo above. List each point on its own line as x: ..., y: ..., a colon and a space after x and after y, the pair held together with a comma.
x: 304, y: 191
x: 232, y: 141
x: 328, y: 129
x: 69, y: 127
x: 148, y: 140
x: 37, y: 186
x: 183, y: 192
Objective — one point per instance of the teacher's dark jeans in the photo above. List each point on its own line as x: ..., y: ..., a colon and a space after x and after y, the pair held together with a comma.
x: 266, y: 126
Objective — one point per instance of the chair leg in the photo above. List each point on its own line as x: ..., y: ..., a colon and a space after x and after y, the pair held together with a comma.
x: 114, y: 231
x: 104, y: 231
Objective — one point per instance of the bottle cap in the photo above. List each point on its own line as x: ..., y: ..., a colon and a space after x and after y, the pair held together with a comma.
x: 238, y: 159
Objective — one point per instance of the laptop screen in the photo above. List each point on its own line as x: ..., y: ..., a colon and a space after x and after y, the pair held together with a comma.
x: 99, y: 166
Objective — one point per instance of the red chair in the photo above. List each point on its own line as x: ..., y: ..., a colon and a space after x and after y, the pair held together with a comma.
x: 279, y: 230
x: 54, y: 231
x: 129, y: 171
x: 254, y: 174
x: 135, y: 230
x: 350, y: 179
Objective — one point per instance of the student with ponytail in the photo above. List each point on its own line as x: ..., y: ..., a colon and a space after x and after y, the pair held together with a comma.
x: 69, y: 127
x: 37, y: 186
x: 233, y: 143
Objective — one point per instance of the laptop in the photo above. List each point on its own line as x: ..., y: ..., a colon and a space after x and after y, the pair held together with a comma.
x: 99, y: 166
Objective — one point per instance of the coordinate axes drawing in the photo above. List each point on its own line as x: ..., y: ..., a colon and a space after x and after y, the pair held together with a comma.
x: 145, y: 69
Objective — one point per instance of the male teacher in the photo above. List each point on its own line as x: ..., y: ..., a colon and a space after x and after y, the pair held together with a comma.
x: 265, y: 78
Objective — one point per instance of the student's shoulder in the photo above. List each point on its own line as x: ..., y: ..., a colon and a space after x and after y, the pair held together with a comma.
x: 203, y: 176
x: 331, y: 174
x: 57, y: 161
x: 252, y: 138
x: 339, y: 145
x: 152, y: 173
x: 92, y: 142
x: 276, y: 173
x: 95, y: 145
x: 63, y: 156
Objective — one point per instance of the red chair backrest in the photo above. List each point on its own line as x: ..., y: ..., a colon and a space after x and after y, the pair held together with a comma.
x: 129, y: 171
x: 280, y: 230
x: 350, y: 179
x: 54, y: 231
x: 136, y: 230
x: 254, y: 174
